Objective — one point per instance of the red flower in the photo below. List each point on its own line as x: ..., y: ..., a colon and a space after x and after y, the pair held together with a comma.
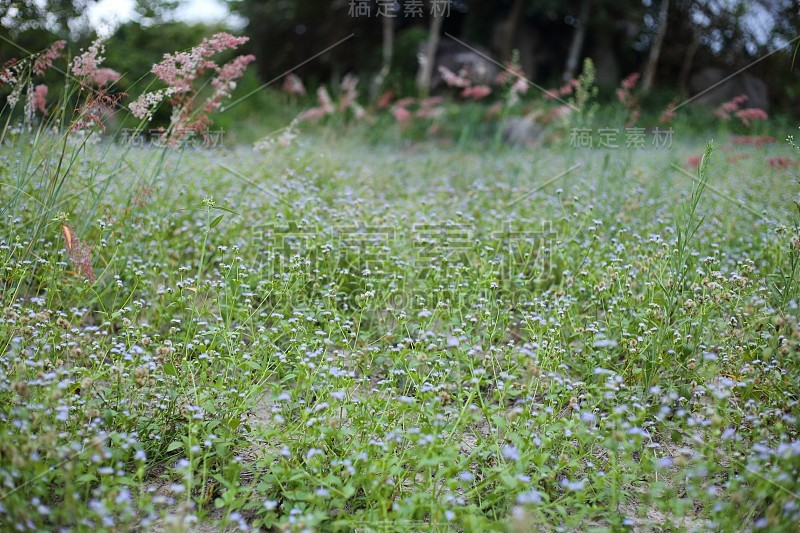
x: 385, y: 100
x: 476, y: 93
x: 669, y: 113
x: 753, y: 113
x: 782, y: 162
x: 630, y: 82
x: 401, y: 114
x: 755, y: 141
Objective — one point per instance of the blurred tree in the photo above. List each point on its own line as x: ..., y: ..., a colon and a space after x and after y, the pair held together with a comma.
x: 429, y: 59
x: 55, y: 16
x: 578, y: 36
x: 155, y: 12
x: 300, y: 30
x: 655, y: 47
x: 387, y: 54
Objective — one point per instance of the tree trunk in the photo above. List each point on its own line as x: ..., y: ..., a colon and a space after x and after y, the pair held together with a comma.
x: 655, y: 48
x: 686, y: 68
x: 511, y: 30
x: 388, y: 53
x: 574, y: 55
x: 428, y: 61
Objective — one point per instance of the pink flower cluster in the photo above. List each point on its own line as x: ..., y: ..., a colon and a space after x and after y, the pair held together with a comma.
x: 476, y: 92
x: 292, y: 84
x: 462, y: 81
x: 669, y: 113
x: 565, y: 90
x: 349, y: 96
x: 629, y: 83
x: 45, y: 60
x: 452, y: 79
x: 104, y: 76
x: 39, y: 99
x: 626, y: 98
x: 225, y: 82
x: 9, y: 72
x: 325, y: 106
x: 348, y: 99
x: 754, y: 141
x: 753, y: 113
x: 782, y: 163
x: 692, y: 162
x: 87, y: 65
x: 427, y: 108
x: 98, y: 104
x: 733, y: 107
x: 179, y: 71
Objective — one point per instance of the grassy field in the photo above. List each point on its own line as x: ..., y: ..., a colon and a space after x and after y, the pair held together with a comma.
x: 337, y: 336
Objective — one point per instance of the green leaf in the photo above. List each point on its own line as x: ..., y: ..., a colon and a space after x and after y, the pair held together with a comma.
x: 216, y: 221
x: 231, y: 211
x: 87, y: 478
x: 170, y: 370
x: 174, y: 446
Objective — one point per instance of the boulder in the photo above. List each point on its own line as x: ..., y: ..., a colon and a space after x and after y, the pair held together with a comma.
x: 455, y: 56
x: 706, y: 86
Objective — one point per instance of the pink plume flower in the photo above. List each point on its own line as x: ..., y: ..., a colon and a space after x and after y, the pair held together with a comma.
x: 401, y: 115
x: 179, y: 71
x: 39, y: 99
x: 669, y: 113
x: 349, y: 97
x: 630, y: 81
x: 405, y: 102
x: 46, y: 58
x: 782, y: 162
x: 292, y: 84
x: 477, y: 92
x: 731, y: 106
x: 520, y: 86
x: 86, y: 64
x: 753, y: 113
x: 564, y: 90
x: 103, y: 76
x: 325, y: 102
x: 225, y: 82
x: 315, y: 113
x: 452, y: 79
x: 755, y: 141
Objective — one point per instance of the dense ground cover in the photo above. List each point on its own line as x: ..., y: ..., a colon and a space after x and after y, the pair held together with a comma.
x: 333, y: 336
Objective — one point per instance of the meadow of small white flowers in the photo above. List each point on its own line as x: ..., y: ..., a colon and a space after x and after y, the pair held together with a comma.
x: 332, y: 336
x: 327, y: 334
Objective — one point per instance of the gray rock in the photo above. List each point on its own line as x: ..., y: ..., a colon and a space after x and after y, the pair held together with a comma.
x: 706, y: 84
x: 521, y: 131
